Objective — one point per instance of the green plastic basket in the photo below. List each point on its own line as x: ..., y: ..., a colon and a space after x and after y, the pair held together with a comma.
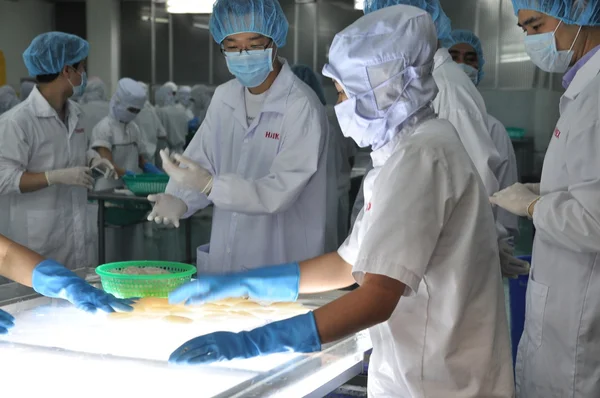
x: 126, y: 286
x: 146, y: 184
x: 515, y: 133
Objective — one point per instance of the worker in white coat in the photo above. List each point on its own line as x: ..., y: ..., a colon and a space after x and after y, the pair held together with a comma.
x: 8, y: 99
x: 117, y: 138
x: 558, y: 352
x: 152, y: 128
x: 174, y: 119
x: 260, y: 154
x: 466, y: 50
x: 460, y: 103
x: 184, y: 100
x: 44, y: 167
x: 423, y: 250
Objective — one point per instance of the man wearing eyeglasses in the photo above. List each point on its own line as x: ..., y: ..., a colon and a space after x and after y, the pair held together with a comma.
x: 259, y: 155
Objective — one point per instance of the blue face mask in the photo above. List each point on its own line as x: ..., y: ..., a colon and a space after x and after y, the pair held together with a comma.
x: 471, y: 72
x: 251, y: 68
x: 79, y: 90
x: 542, y: 50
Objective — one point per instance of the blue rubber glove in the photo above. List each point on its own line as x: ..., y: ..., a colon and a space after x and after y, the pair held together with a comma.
x: 297, y: 334
x: 276, y: 283
x: 53, y: 280
x: 193, y: 125
x: 149, y: 168
x: 6, y: 322
x: 129, y: 173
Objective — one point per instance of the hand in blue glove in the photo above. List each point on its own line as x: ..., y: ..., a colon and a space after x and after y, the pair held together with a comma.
x: 129, y: 173
x: 53, y: 280
x: 193, y: 125
x: 6, y: 322
x: 276, y: 283
x: 149, y: 168
x: 297, y: 334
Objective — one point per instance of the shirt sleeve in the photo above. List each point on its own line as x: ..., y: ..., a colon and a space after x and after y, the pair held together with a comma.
x: 200, y: 151
x: 407, y: 213
x: 292, y: 168
x: 14, y: 156
x: 571, y: 218
x: 102, y: 136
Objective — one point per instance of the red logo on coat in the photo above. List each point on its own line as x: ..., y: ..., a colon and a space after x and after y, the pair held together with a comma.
x: 369, y: 206
x: 273, y: 136
x: 557, y: 133
x: 79, y: 131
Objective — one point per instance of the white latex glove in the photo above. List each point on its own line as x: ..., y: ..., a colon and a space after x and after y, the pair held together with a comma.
x: 517, y: 199
x: 535, y: 188
x: 192, y: 175
x: 105, y: 167
x: 167, y: 209
x: 80, y: 176
x: 511, y: 266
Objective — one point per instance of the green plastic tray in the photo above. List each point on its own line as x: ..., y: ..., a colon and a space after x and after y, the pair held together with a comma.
x: 126, y: 286
x: 146, y: 184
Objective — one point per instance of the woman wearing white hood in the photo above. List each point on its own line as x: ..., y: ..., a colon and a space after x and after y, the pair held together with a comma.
x: 424, y: 250
x: 117, y: 138
x: 174, y: 119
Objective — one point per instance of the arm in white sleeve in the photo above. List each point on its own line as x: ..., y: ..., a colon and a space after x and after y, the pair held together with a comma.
x: 200, y: 151
x: 14, y: 156
x: 405, y: 223
x: 102, y: 137
x: 293, y: 167
x: 571, y: 218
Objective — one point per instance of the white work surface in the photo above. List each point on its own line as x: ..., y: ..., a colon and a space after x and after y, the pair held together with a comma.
x: 57, y: 351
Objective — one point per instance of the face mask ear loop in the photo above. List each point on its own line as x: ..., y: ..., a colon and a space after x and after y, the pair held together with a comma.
x: 575, y: 41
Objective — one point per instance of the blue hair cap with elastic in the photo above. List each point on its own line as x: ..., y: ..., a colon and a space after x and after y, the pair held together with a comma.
x: 50, y: 52
x: 264, y: 17
x: 309, y: 77
x: 468, y: 37
x: 572, y: 12
x: 433, y: 7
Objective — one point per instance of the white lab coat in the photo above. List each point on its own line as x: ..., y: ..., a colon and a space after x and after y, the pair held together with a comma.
x: 151, y: 128
x: 269, y: 178
x: 507, y: 176
x: 432, y: 229
x: 124, y: 141
x: 188, y: 112
x: 175, y: 122
x: 51, y: 221
x: 559, y: 351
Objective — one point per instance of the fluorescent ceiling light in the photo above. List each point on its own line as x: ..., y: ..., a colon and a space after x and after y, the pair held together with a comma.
x: 146, y: 18
x: 359, y: 4
x: 190, y: 6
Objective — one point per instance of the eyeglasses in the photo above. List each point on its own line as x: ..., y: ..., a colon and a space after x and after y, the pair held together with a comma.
x: 233, y: 50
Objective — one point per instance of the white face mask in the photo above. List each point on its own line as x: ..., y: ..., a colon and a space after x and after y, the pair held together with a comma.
x: 542, y: 50
x: 471, y: 72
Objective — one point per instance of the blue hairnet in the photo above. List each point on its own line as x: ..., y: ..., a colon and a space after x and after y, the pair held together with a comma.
x: 50, y: 52
x: 573, y: 12
x: 468, y: 37
x: 433, y: 7
x: 308, y: 76
x: 241, y: 16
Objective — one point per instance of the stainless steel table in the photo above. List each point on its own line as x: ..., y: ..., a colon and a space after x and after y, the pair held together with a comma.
x: 102, y: 196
